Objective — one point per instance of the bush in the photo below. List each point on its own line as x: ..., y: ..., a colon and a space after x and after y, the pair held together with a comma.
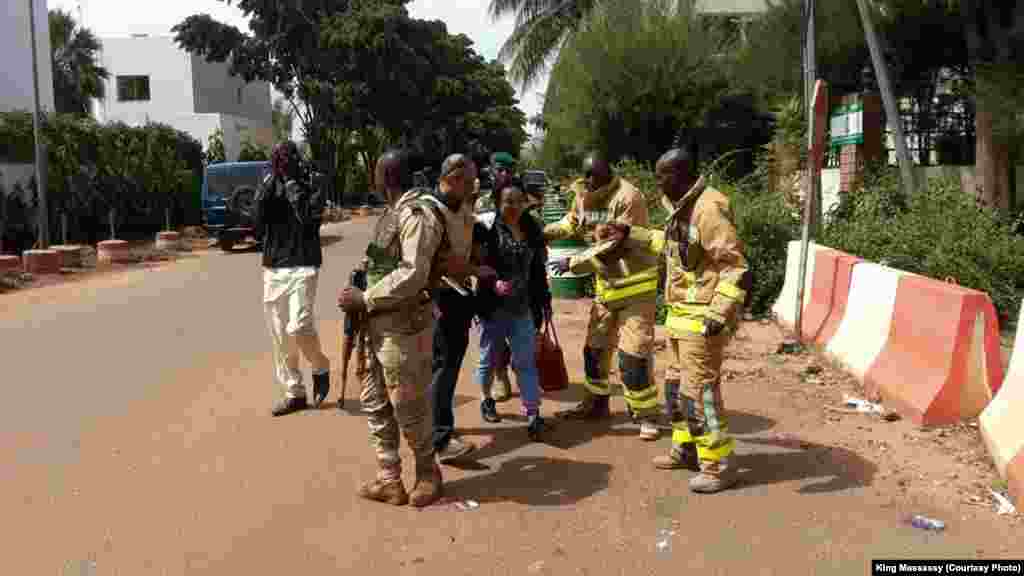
x: 94, y: 169
x: 766, y: 225
x: 941, y: 233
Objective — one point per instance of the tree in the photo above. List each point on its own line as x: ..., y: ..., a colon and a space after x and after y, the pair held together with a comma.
x: 994, y: 34
x: 542, y: 28
x: 163, y: 170
x: 629, y: 80
x: 252, y: 152
x: 215, y: 152
x: 469, y: 107
x: 282, y: 118
x: 340, y: 58
x: 77, y: 78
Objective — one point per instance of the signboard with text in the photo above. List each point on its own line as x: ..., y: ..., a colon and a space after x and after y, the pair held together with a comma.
x: 846, y: 124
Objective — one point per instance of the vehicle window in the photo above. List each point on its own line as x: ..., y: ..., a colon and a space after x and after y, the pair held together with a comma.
x: 221, y: 183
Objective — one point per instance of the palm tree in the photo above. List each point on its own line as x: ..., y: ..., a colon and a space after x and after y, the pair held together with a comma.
x: 542, y: 27
x: 77, y: 77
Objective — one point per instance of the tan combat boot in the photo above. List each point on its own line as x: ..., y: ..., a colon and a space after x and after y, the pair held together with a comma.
x: 502, y: 386
x: 679, y: 458
x: 714, y: 477
x: 429, y: 485
x: 388, y: 492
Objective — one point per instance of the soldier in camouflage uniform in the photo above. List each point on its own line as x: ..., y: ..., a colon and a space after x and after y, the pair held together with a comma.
x: 408, y: 255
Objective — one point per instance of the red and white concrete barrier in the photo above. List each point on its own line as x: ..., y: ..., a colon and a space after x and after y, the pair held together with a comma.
x: 41, y: 261
x: 1002, y: 422
x: 864, y: 329
x: 10, y: 263
x: 930, y: 349
x: 942, y: 361
x: 113, y: 251
x: 785, y: 306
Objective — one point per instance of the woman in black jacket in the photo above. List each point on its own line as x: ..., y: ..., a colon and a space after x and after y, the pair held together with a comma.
x: 515, y: 304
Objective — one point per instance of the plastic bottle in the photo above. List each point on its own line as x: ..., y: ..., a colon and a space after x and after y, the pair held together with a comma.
x: 926, y: 523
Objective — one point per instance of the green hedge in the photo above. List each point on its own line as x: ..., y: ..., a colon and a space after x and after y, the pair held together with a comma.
x: 102, y: 172
x: 941, y: 233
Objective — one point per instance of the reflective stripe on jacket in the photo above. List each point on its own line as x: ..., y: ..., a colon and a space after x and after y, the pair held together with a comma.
x: 705, y: 268
x: 626, y: 274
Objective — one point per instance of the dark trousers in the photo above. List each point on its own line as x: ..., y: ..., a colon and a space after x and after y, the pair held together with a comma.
x: 451, y: 337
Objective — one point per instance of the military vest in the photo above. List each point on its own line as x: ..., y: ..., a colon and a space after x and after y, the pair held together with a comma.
x: 384, y: 250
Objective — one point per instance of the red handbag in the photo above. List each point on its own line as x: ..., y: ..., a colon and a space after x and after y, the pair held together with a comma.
x: 551, y: 370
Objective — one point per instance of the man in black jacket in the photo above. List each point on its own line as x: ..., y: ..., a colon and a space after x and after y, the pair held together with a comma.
x: 289, y: 214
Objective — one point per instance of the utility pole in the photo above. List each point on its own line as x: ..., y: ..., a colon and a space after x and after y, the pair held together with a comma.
x: 888, y: 98
x: 809, y: 192
x: 44, y: 213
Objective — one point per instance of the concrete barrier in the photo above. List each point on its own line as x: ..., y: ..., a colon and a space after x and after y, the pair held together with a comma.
x: 70, y: 255
x: 864, y: 328
x: 928, y: 348
x: 10, y: 263
x: 941, y: 362
x: 830, y: 289
x: 1002, y: 422
x: 785, y: 305
x: 168, y: 240
x: 113, y: 251
x: 41, y: 261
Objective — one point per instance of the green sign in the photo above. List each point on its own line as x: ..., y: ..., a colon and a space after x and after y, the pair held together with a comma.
x: 847, y: 124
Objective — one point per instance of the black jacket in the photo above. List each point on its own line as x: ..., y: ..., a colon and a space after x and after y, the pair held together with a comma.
x: 290, y: 216
x: 489, y: 240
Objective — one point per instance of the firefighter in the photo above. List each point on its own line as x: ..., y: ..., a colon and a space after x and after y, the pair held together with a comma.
x: 623, y: 313
x: 707, y: 279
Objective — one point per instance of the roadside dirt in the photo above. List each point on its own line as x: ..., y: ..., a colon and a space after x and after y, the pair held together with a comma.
x: 946, y: 470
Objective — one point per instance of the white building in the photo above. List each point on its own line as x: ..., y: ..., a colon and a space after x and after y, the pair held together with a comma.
x: 736, y: 7
x: 16, y: 90
x: 152, y: 80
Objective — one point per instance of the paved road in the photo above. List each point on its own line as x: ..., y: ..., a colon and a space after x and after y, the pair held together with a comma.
x: 135, y: 436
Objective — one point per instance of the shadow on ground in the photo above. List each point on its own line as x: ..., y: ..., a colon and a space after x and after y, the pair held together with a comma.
x: 828, y: 468
x: 534, y: 481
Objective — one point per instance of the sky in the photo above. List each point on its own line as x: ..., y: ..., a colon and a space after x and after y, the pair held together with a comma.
x: 124, y: 17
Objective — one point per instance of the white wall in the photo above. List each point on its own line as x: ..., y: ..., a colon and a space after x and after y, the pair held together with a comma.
x: 170, y: 79
x: 16, y: 90
x: 830, y: 181
x: 732, y: 6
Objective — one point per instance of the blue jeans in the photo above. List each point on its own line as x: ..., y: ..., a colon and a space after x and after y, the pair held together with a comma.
x: 522, y: 335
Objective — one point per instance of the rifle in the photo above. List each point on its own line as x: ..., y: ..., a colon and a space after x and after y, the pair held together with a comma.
x: 354, y: 337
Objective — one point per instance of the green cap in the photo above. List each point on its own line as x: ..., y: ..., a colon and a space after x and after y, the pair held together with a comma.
x: 503, y: 159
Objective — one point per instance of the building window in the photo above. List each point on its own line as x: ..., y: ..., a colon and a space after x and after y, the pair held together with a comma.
x: 132, y: 88
x: 239, y: 95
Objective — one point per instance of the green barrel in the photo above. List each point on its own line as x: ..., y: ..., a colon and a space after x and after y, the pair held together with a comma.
x: 568, y: 286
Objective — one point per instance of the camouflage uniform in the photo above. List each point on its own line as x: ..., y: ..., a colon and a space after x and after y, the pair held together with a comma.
x: 707, y: 277
x: 406, y: 257
x: 623, y: 313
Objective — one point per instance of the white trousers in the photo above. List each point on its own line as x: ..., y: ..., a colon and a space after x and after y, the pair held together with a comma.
x: 289, y: 296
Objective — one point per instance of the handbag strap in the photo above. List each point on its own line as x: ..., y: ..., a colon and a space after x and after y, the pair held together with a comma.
x: 549, y: 324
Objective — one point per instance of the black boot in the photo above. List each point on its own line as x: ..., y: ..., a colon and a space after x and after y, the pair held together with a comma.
x: 535, y: 428
x: 321, y: 387
x: 489, y: 411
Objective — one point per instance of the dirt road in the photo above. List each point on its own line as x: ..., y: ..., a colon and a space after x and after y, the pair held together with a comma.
x: 135, y: 439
